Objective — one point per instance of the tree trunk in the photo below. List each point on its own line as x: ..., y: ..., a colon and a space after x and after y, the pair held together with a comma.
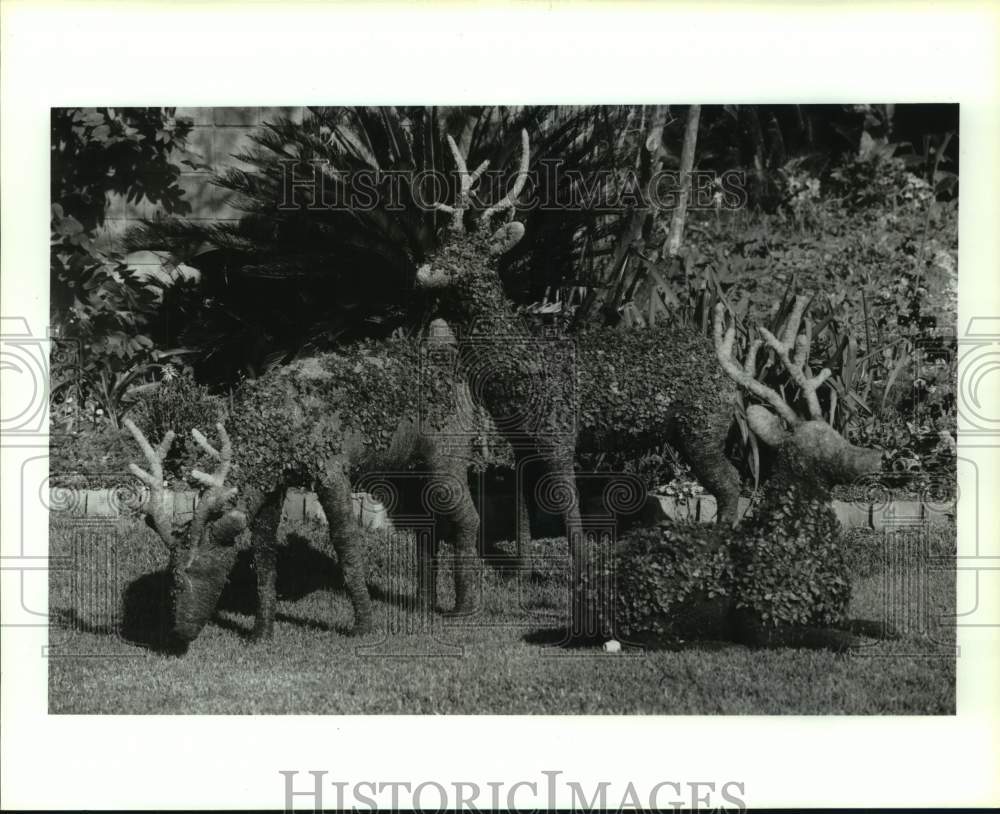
x: 616, y: 281
x: 687, y: 163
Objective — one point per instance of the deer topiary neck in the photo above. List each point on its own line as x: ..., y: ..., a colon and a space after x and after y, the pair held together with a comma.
x: 477, y: 301
x: 488, y: 312
x: 789, y: 560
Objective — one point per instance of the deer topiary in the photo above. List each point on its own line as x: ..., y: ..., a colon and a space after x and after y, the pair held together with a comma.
x: 320, y: 423
x: 599, y: 390
x: 780, y: 577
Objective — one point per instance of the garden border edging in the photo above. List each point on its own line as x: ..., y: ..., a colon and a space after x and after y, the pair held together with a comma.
x: 303, y: 506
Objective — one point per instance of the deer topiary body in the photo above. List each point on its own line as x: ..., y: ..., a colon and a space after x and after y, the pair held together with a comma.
x: 780, y: 577
x: 320, y: 423
x: 597, y: 390
x: 591, y: 392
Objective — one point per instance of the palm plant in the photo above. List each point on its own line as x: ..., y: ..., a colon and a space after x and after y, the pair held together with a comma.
x: 296, y: 273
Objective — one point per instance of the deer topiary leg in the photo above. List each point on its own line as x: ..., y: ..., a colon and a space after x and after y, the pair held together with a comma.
x: 702, y: 445
x: 333, y: 489
x: 552, y: 481
x: 450, y: 491
x: 427, y: 549
x: 526, y: 501
x: 587, y: 622
x: 264, y: 534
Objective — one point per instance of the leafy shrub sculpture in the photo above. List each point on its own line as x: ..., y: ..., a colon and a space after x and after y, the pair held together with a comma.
x: 321, y: 423
x: 779, y: 579
x: 551, y: 397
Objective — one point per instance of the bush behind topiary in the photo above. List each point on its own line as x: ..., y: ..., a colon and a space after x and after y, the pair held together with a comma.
x: 180, y: 404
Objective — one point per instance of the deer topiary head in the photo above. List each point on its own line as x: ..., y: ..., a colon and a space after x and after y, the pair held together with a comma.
x: 461, y: 271
x: 809, y: 448
x: 201, y: 550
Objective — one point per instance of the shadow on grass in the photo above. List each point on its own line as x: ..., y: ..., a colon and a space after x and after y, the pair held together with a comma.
x: 244, y: 629
x: 146, y: 618
x: 711, y: 625
x: 301, y: 571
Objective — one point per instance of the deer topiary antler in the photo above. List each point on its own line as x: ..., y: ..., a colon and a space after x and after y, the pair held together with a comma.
x: 467, y: 180
x: 793, y: 352
x: 155, y: 507
x: 216, y: 493
x: 522, y: 176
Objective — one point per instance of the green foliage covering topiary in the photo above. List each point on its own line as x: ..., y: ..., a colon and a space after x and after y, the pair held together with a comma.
x: 597, y: 390
x: 367, y: 402
x: 789, y: 558
x: 686, y: 581
x: 634, y: 383
x: 780, y: 577
x: 783, y: 568
x: 388, y: 410
x: 673, y: 583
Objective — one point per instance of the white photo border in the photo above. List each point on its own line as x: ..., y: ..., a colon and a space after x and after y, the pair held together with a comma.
x: 217, y: 53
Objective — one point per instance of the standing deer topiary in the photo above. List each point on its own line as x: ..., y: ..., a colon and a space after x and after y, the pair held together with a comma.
x: 599, y: 390
x: 780, y: 578
x: 320, y: 423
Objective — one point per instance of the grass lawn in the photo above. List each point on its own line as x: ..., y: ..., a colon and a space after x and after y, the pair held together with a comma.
x: 501, y: 661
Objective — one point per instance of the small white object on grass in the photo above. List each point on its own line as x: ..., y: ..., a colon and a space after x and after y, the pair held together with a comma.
x: 612, y: 646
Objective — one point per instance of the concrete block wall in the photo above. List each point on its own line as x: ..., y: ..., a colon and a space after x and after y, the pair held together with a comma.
x: 851, y: 515
x: 497, y: 512
x: 299, y: 505
x: 218, y: 133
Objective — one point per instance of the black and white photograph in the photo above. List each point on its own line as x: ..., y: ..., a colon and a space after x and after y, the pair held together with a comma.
x: 371, y: 424
x: 603, y: 409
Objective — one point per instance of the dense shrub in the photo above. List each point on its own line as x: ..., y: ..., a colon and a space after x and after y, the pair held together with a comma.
x: 108, y: 311
x: 97, y: 454
x: 685, y: 581
x: 672, y: 583
x: 181, y: 405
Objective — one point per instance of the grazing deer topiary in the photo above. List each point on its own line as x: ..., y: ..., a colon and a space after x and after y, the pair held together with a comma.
x: 780, y: 577
x: 201, y: 550
x: 320, y: 423
x: 599, y: 390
